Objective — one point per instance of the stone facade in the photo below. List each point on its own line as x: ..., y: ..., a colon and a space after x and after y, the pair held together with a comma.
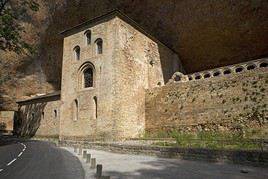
x: 223, y: 102
x: 118, y: 82
x: 131, y: 62
x: 39, y: 116
x: 6, y: 121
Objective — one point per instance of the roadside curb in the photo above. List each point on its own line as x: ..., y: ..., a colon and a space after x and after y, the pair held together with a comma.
x: 252, y: 158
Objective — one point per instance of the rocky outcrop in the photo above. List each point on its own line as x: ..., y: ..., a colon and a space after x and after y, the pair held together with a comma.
x: 205, y: 34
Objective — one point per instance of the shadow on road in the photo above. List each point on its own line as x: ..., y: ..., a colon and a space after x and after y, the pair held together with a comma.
x: 7, y: 139
x: 163, y: 169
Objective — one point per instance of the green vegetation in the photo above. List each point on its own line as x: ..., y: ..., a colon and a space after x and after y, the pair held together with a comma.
x: 210, y: 140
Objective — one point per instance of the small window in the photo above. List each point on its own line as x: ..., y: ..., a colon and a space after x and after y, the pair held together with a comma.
x: 263, y: 65
x: 95, y: 106
x: 251, y: 67
x: 99, y: 44
x: 190, y: 78
x: 75, y: 110
x: 177, y: 78
x: 198, y: 77
x: 55, y: 113
x: 88, y: 37
x: 32, y: 115
x: 239, y: 69
x: 43, y: 116
x: 77, y: 52
x: 207, y: 75
x: 226, y: 72
x: 217, y: 73
x: 88, y: 78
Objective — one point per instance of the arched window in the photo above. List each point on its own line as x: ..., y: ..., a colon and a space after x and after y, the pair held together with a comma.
x: 77, y: 52
x: 88, y: 78
x: 99, y: 44
x: 263, y: 65
x: 207, y: 75
x: 75, y: 110
x: 55, y: 114
x: 217, y: 73
x: 197, y: 77
x: 190, y: 78
x: 43, y: 116
x: 251, y: 67
x: 95, y: 107
x: 226, y: 72
x: 177, y: 78
x: 239, y: 69
x: 88, y: 37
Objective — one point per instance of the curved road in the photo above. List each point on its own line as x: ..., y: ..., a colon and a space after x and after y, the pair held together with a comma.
x: 38, y: 160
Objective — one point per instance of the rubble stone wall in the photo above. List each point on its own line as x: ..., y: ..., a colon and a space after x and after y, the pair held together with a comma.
x: 228, y: 102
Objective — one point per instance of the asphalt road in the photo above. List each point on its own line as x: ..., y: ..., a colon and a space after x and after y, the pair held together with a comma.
x: 38, y: 160
x: 42, y: 160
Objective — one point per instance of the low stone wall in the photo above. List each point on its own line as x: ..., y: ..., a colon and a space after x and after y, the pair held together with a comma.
x: 234, y: 102
x: 255, y: 158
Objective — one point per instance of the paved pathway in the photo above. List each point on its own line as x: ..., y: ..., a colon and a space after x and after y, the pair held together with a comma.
x: 125, y: 166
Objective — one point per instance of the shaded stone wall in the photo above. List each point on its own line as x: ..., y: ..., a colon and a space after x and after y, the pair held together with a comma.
x: 39, y: 117
x: 140, y: 63
x: 7, y: 120
x: 235, y: 101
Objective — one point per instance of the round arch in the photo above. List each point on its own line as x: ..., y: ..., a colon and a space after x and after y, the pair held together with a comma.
x: 99, y: 46
x: 88, y: 37
x: 84, y: 68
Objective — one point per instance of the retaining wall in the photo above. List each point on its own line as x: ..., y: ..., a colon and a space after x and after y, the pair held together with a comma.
x: 229, y: 102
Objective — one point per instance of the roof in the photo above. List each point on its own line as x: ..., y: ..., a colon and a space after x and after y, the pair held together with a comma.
x: 110, y: 15
x: 53, y: 94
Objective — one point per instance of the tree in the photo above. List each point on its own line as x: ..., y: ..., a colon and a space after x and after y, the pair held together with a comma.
x: 10, y: 28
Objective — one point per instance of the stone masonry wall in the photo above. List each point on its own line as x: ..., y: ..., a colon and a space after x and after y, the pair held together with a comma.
x: 39, y: 118
x: 223, y: 103
x: 7, y: 121
x: 87, y: 121
x: 139, y: 63
x: 130, y: 63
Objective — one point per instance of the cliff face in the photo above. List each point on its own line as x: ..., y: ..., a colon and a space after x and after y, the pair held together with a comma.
x: 205, y: 34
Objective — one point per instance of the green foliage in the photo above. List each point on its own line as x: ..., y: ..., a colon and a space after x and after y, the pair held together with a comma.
x: 10, y: 29
x: 210, y: 140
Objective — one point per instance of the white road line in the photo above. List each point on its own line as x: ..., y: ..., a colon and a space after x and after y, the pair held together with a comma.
x: 24, y: 148
x: 12, y: 161
x: 1, y: 169
x: 20, y: 154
